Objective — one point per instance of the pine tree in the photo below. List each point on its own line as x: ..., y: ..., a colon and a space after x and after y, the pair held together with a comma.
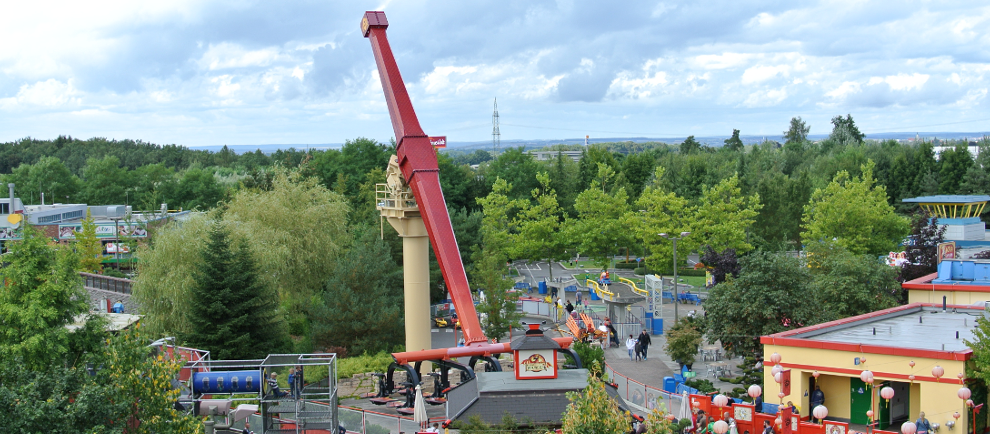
x: 89, y: 246
x: 734, y: 143
x: 234, y: 316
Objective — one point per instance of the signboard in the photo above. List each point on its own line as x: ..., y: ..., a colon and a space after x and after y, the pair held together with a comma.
x: 536, y: 364
x: 130, y: 230
x: 439, y: 141
x: 946, y: 251
x: 10, y: 234
x: 785, y: 381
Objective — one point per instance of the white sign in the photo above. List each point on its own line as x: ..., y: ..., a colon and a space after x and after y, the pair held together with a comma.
x: 533, y: 364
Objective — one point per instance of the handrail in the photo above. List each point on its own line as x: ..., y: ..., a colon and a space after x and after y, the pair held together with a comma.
x: 106, y: 283
x: 601, y: 292
x: 633, y: 285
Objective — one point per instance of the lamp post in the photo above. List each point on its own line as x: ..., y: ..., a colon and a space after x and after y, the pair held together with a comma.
x: 674, y: 240
x: 642, y: 212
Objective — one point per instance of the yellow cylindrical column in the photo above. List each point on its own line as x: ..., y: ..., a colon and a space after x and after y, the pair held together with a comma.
x: 416, y: 282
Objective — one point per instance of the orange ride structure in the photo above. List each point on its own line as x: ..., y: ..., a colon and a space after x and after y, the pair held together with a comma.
x: 413, y: 203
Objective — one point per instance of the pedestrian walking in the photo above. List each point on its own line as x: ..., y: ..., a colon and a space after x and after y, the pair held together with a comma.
x: 569, y: 307
x: 631, y: 347
x: 817, y: 398
x: 644, y: 342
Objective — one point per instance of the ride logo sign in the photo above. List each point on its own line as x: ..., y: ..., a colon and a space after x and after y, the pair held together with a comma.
x: 536, y: 364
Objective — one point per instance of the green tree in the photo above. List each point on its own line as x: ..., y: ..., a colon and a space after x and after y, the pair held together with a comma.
x: 734, y: 143
x: 771, y: 295
x: 980, y: 344
x: 845, y: 130
x: 955, y: 164
x: 498, y: 309
x: 42, y: 294
x: 360, y: 306
x: 197, y: 189
x: 49, y: 176
x: 854, y: 213
x: 234, y: 317
x: 664, y: 212
x: 599, y: 228
x: 798, y: 131
x: 496, y: 222
x: 975, y: 181
x: 724, y: 216
x: 592, y: 411
x: 690, y: 146
x: 847, y: 284
x: 683, y: 341
x: 105, y: 181
x: 539, y: 224
x: 89, y: 246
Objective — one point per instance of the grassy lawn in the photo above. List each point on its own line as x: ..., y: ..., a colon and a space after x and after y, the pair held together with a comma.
x: 698, y: 281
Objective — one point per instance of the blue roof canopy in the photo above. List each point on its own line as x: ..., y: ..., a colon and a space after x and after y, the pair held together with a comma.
x: 949, y: 198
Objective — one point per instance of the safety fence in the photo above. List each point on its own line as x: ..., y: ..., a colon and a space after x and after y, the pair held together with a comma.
x: 641, y: 397
x: 371, y: 422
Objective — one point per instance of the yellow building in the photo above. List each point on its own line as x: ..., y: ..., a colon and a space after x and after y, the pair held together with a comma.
x: 886, y: 343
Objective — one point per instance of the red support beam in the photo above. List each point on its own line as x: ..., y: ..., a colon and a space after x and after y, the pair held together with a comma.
x: 418, y: 162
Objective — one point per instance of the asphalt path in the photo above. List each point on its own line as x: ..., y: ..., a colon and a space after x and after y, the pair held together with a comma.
x: 448, y: 337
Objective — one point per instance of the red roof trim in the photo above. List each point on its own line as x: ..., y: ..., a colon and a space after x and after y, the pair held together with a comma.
x: 925, y: 283
x: 787, y: 338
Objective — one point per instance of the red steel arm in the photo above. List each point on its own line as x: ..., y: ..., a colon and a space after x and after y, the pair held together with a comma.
x: 418, y: 162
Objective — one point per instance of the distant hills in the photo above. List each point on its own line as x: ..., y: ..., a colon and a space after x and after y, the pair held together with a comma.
x: 714, y: 141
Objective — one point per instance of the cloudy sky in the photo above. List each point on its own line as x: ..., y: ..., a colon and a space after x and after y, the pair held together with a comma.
x: 201, y: 73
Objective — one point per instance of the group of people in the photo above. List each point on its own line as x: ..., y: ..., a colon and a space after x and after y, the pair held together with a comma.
x: 638, y: 346
x: 295, y: 381
x: 704, y: 424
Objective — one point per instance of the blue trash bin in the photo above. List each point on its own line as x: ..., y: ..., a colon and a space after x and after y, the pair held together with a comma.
x: 669, y: 385
x: 543, y: 287
x: 594, y: 296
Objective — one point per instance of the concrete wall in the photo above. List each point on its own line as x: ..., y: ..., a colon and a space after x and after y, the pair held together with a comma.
x: 937, y: 399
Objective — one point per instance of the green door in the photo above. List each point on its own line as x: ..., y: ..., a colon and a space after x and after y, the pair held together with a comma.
x: 859, y: 402
x: 883, y: 407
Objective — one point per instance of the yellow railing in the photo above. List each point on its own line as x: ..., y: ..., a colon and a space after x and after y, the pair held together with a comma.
x: 633, y: 286
x: 602, y: 293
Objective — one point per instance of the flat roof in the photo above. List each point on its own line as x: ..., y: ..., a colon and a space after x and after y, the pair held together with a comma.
x: 927, y: 328
x: 115, y: 321
x: 948, y: 198
x: 917, y: 329
x: 567, y: 379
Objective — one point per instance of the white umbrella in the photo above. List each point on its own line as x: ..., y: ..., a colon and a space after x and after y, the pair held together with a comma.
x: 684, y: 412
x: 419, y: 411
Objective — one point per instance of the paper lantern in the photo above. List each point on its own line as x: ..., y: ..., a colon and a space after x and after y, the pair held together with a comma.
x: 815, y: 374
x: 909, y: 428
x: 862, y: 360
x: 820, y: 412
x: 937, y: 372
x: 969, y: 402
x: 775, y: 358
x: 778, y: 422
x: 964, y: 393
x: 721, y: 427
x: 755, y: 391
x: 956, y: 415
x: 720, y: 400
x: 869, y: 414
x: 887, y: 393
x: 776, y: 370
x: 778, y: 377
x: 911, y: 364
x: 781, y: 395
x: 866, y: 376
x: 960, y: 376
x: 911, y: 377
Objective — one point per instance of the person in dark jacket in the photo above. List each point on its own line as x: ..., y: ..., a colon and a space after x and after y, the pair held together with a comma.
x: 758, y: 404
x: 817, y: 398
x: 644, y: 343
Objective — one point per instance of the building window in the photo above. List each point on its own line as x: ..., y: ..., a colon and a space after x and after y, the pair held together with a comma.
x: 71, y: 215
x: 4, y: 208
x: 49, y: 218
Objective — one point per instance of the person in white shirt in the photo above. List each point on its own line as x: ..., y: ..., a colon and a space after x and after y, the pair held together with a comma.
x: 434, y: 428
x: 631, y: 346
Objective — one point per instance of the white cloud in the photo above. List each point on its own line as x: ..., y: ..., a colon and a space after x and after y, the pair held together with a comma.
x: 761, y: 73
x: 906, y: 81
x: 49, y: 93
x: 227, y: 55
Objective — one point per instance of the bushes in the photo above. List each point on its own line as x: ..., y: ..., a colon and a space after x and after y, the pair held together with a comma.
x: 347, y: 367
x: 589, y: 354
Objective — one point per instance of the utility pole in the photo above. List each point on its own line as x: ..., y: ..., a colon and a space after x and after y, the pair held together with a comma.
x: 675, y: 239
